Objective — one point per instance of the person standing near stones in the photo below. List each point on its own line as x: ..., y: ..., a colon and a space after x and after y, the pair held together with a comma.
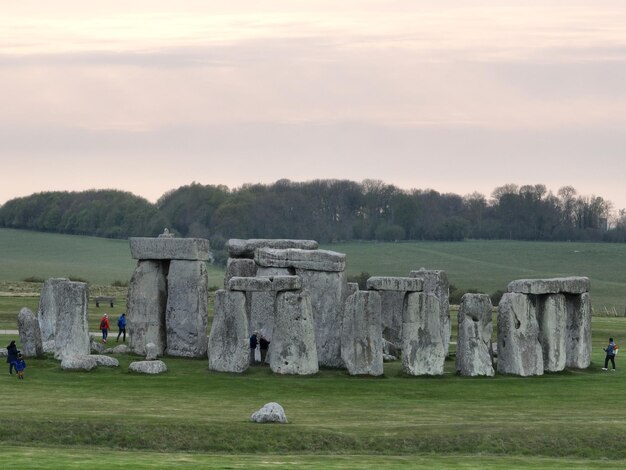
x: 610, y: 350
x: 121, y: 325
x: 253, y: 345
x: 104, y: 327
x: 20, y: 365
x: 264, y: 344
x: 12, y: 353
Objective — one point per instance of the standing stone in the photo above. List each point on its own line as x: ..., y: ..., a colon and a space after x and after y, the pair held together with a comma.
x: 263, y: 305
x: 436, y: 282
x: 473, y: 348
x: 519, y: 349
x: 48, y: 307
x: 361, y: 337
x: 392, y: 304
x: 147, y: 298
x: 229, y: 339
x: 186, y: 314
x: 152, y: 352
x: 578, y: 331
x: 327, y: 291
x: 293, y: 350
x: 422, y: 345
x: 30, y: 335
x: 71, y: 330
x: 552, y: 320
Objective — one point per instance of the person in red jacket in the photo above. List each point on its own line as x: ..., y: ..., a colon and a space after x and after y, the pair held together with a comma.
x: 104, y: 327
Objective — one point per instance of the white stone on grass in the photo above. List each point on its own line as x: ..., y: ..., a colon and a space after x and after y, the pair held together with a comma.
x: 147, y: 367
x: 106, y: 361
x: 316, y: 260
x: 82, y: 362
x: 270, y: 413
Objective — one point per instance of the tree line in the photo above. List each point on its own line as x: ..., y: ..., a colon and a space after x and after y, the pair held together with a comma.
x: 324, y: 210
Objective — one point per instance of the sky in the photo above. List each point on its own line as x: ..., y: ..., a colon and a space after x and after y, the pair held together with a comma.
x: 458, y: 96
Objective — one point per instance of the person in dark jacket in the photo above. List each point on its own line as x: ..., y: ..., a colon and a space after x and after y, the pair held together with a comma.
x: 253, y: 345
x: 20, y: 365
x: 610, y: 355
x: 121, y: 325
x: 12, y: 353
x: 264, y: 344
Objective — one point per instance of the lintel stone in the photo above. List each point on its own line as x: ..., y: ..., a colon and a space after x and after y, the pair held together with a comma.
x: 238, y: 248
x: 396, y: 284
x: 557, y: 285
x: 265, y: 283
x: 190, y: 249
x: 313, y: 260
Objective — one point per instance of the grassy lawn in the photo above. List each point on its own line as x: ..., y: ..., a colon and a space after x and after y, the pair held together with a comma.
x: 189, y: 412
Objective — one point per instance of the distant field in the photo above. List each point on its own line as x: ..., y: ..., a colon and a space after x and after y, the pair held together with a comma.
x: 487, y: 266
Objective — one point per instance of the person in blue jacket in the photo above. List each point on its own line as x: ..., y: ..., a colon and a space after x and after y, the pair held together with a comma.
x: 20, y: 365
x: 12, y: 353
x: 121, y: 324
x: 610, y: 355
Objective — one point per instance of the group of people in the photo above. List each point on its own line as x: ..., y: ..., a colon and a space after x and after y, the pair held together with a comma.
x: 258, y: 340
x: 121, y: 325
x: 15, y: 360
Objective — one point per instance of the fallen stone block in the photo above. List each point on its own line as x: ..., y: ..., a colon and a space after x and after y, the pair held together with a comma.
x: 190, y: 249
x: 147, y: 367
x: 558, y: 285
x: 269, y: 413
x: 106, y: 361
x: 121, y: 349
x: 83, y: 362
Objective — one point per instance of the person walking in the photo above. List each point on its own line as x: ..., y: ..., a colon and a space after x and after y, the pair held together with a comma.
x: 12, y: 353
x: 610, y: 350
x: 104, y: 327
x: 253, y: 345
x: 121, y: 324
x: 20, y: 365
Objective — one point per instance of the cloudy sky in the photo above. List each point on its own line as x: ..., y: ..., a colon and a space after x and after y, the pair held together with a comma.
x: 458, y: 96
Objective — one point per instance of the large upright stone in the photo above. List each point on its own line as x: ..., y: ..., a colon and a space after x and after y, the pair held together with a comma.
x: 315, y: 260
x: 238, y: 248
x: 392, y: 304
x: 228, y: 342
x: 422, y: 346
x: 436, y: 282
x: 519, y: 349
x: 473, y: 348
x: 260, y: 306
x: 48, y: 307
x: 578, y: 331
x: 165, y: 248
x: 293, y: 350
x: 361, y: 336
x: 186, y: 314
x: 552, y: 320
x: 557, y: 285
x: 147, y: 298
x: 327, y: 291
x: 71, y: 330
x: 30, y: 335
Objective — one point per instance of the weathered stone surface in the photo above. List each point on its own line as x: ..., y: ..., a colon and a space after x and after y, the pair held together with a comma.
x: 552, y: 320
x: 152, y: 352
x: 186, y: 314
x: 473, y: 347
x: 351, y: 288
x: 422, y: 346
x: 362, y: 334
x: 557, y: 285
x: 228, y: 342
x: 390, y: 349
x: 392, y: 304
x: 293, y: 349
x: 519, y: 349
x: 191, y: 249
x: 238, y: 248
x: 147, y: 298
x: 270, y: 413
x: 327, y: 291
x: 83, y: 362
x: 239, y: 268
x: 147, y: 367
x: 265, y: 284
x: 95, y: 346
x: 578, y: 331
x: 389, y: 358
x: 121, y: 349
x: 48, y: 346
x: 315, y: 260
x: 436, y: 282
x: 47, y: 312
x: 395, y: 284
x: 3, y: 352
x: 30, y: 335
x: 260, y: 306
x: 106, y: 361
x: 71, y: 330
